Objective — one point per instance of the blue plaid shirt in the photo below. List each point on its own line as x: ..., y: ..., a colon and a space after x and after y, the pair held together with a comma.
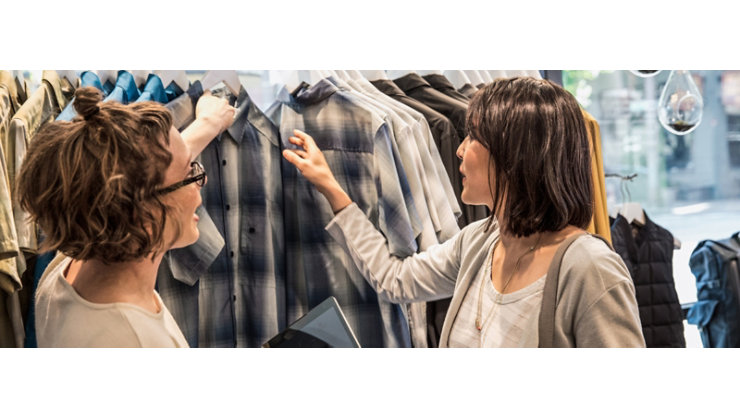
x: 356, y: 144
x: 231, y: 293
x: 246, y: 295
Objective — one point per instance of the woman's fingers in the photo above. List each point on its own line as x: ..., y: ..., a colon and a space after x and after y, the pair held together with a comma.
x: 291, y: 156
x: 307, y: 139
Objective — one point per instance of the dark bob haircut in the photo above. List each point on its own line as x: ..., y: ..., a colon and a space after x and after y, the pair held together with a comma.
x: 540, y: 154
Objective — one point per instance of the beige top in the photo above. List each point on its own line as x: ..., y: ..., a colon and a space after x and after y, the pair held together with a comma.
x: 596, y: 305
x: 65, y: 319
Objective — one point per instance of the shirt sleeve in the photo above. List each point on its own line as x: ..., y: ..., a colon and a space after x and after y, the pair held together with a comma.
x: 393, y: 219
x: 426, y: 276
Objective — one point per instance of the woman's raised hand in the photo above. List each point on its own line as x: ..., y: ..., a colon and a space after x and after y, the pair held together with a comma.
x: 311, y: 163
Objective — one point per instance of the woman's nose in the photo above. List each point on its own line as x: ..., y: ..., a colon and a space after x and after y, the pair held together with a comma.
x: 461, y: 149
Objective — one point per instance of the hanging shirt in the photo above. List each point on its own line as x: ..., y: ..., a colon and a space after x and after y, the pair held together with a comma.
x: 125, y: 91
x: 173, y: 91
x: 357, y: 147
x: 438, y: 191
x: 245, y: 299
x: 468, y: 90
x: 600, y: 221
x: 87, y: 79
x: 8, y: 106
x: 445, y: 137
x: 411, y: 161
x: 153, y: 90
x: 403, y: 149
x: 43, y: 106
x: 179, y: 276
x: 440, y: 83
x: 10, y: 282
x: 456, y: 111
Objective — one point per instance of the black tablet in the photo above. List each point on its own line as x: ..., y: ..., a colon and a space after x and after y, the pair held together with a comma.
x: 323, y: 327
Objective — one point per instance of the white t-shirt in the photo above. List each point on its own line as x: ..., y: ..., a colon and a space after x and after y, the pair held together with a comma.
x: 65, y: 319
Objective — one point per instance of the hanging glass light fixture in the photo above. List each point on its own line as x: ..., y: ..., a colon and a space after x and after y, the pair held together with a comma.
x: 645, y: 73
x: 680, y: 106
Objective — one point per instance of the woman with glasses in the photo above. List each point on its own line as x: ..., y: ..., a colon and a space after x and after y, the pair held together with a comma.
x: 113, y: 190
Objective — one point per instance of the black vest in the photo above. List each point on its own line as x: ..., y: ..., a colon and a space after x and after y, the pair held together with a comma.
x: 648, y: 253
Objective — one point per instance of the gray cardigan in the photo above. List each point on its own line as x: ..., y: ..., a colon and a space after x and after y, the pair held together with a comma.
x: 596, y: 305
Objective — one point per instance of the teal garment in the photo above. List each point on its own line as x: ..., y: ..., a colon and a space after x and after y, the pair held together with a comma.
x: 125, y: 90
x: 154, y: 90
x: 87, y: 79
x: 173, y: 91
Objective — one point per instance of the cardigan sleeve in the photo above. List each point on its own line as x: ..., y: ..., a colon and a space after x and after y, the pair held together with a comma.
x: 598, y: 307
x: 426, y: 276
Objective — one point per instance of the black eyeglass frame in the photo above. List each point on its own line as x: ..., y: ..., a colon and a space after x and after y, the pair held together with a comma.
x: 199, y: 178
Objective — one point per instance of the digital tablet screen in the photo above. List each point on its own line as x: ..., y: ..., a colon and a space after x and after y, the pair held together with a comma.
x: 323, y: 326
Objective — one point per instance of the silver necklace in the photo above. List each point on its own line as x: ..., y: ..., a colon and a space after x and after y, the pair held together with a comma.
x: 500, y: 295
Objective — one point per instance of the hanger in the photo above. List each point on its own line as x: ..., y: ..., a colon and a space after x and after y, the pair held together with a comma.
x: 631, y: 211
x: 140, y: 76
x: 486, y: 76
x: 394, y: 74
x: 355, y: 75
x: 310, y: 77
x: 179, y: 77
x: 107, y: 75
x: 337, y: 74
x: 534, y: 74
x: 474, y: 77
x: 495, y: 74
x: 373, y: 75
x: 457, y: 78
x: 70, y: 75
x: 229, y: 77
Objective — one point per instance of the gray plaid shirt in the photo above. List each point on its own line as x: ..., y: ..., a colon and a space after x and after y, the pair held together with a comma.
x: 357, y: 145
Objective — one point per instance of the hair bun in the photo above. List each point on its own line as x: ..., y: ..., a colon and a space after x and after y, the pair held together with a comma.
x: 86, y: 101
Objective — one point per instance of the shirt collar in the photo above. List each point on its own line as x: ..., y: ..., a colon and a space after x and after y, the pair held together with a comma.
x: 55, y: 84
x: 6, y: 80
x: 127, y: 83
x: 438, y: 81
x: 317, y: 93
x: 173, y: 91
x: 91, y: 79
x: 155, y: 89
x: 388, y: 87
x: 248, y: 113
x: 411, y: 81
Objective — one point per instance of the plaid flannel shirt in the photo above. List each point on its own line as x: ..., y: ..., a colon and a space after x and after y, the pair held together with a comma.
x: 356, y: 144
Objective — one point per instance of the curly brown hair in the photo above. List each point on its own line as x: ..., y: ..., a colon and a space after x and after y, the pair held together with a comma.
x: 91, y: 183
x: 539, y: 154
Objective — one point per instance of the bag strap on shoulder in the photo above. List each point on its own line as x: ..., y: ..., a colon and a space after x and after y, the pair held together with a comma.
x: 546, y: 328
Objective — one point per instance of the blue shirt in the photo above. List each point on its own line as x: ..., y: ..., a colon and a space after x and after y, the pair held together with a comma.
x: 87, y: 79
x: 153, y: 90
x: 125, y: 90
x: 244, y: 303
x: 356, y: 144
x: 179, y: 280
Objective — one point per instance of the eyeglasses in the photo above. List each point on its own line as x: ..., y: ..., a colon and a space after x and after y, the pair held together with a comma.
x: 197, y: 175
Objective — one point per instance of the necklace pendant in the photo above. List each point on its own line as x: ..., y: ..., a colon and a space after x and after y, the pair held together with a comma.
x: 477, y: 324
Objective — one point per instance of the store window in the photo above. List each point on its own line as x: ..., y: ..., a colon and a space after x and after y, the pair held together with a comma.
x: 688, y: 184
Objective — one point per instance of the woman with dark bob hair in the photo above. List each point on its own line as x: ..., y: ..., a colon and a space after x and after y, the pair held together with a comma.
x: 113, y: 190
x: 527, y: 158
